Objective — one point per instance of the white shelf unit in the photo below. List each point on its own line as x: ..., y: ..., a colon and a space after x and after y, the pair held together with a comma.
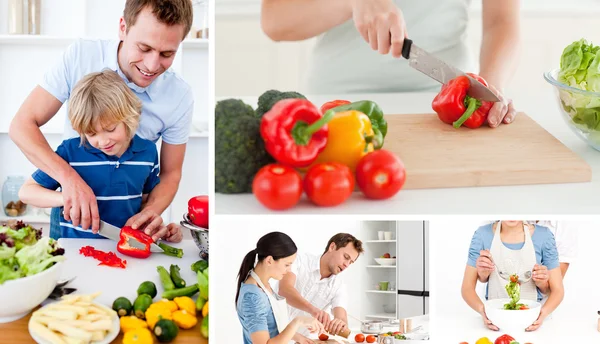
x: 32, y: 215
x: 375, y: 248
x: 25, y: 59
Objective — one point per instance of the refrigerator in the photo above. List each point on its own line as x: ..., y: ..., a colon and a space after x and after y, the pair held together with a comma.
x: 412, y: 276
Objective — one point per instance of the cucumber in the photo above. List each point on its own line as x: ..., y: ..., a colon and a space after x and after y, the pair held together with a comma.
x: 165, y: 330
x: 122, y: 306
x: 176, y: 276
x: 141, y: 304
x: 199, y: 266
x: 165, y: 278
x: 187, y: 291
x: 147, y: 287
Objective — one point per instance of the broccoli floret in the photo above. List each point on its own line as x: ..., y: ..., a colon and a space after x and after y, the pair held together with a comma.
x: 239, y: 148
x: 269, y: 98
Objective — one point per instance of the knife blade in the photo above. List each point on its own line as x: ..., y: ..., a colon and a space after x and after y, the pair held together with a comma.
x: 442, y: 72
x: 113, y: 233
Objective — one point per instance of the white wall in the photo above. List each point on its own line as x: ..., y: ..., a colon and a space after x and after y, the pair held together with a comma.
x: 236, y: 237
x: 25, y: 59
x: 450, y: 244
x: 547, y: 28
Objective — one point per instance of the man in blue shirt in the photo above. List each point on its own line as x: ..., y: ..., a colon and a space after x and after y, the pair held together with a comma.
x: 150, y: 33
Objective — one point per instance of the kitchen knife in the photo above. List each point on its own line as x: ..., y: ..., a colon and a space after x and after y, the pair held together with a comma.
x: 113, y: 233
x: 438, y: 70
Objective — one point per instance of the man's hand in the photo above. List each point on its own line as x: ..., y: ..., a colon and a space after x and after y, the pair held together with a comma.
x: 322, y: 317
x: 150, y: 222
x: 485, y: 265
x: 381, y: 24
x: 80, y: 205
x: 536, y: 324
x: 541, y: 276
x: 502, y: 111
x: 173, y: 233
x: 487, y: 322
x: 335, y: 326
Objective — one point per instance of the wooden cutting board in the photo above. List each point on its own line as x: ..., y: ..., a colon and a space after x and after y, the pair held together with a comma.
x: 436, y: 155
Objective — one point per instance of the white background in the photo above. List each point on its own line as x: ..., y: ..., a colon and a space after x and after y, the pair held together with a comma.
x: 235, y: 238
x: 25, y: 59
x: 450, y: 241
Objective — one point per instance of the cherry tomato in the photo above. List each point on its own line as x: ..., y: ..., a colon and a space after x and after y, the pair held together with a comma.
x: 332, y: 104
x: 329, y: 184
x: 514, y: 278
x: 380, y: 174
x: 277, y: 187
x: 371, y: 338
x: 323, y: 336
x: 359, y: 338
x: 524, y: 307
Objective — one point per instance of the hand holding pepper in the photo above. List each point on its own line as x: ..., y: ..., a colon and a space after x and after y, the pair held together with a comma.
x: 502, y: 111
x: 150, y: 222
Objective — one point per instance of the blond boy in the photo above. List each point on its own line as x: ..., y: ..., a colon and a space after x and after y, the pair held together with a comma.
x: 119, y: 166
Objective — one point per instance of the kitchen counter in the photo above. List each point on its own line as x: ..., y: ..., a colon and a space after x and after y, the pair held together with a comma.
x: 570, y: 198
x: 115, y: 282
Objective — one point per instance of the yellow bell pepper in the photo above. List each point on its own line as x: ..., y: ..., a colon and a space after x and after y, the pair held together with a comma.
x: 205, y: 309
x: 184, y: 320
x: 350, y: 134
x: 138, y: 336
x: 484, y: 340
x: 153, y: 315
x: 131, y: 322
x: 165, y: 304
x: 187, y: 304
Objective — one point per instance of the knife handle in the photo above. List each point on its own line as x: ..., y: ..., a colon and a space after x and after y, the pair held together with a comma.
x: 406, y: 48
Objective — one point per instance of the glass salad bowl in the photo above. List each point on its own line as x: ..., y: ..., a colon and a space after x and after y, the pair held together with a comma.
x: 580, y: 109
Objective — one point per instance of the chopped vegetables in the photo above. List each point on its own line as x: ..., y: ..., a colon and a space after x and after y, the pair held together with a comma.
x: 105, y: 258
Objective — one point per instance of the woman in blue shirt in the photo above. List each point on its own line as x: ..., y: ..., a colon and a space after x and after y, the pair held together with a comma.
x: 513, y: 247
x: 262, y: 313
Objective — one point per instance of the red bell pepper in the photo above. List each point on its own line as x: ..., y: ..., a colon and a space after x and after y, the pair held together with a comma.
x: 504, y: 339
x: 105, y: 258
x: 455, y: 107
x: 198, y: 211
x: 333, y: 104
x: 124, y: 247
x: 295, y: 132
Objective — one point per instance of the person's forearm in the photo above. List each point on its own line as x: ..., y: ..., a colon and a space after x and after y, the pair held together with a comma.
x: 40, y: 197
x: 163, y: 194
x: 296, y: 20
x: 563, y: 269
x: 499, y: 54
x: 295, y: 299
x: 472, y: 299
x: 340, y: 313
x: 30, y: 140
x: 554, y: 300
x: 544, y: 288
x: 286, y: 335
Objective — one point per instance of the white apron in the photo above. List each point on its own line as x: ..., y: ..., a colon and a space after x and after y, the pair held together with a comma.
x: 511, y: 262
x: 278, y: 304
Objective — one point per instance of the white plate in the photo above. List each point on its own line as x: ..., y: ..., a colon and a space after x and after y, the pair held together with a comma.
x: 107, y: 340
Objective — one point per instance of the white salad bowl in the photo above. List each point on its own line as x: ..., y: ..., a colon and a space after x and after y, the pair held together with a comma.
x: 512, y: 320
x: 580, y: 109
x: 20, y: 296
x: 386, y: 261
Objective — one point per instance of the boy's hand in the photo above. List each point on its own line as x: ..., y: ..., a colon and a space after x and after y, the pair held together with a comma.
x: 80, y: 205
x: 150, y: 222
x: 173, y: 233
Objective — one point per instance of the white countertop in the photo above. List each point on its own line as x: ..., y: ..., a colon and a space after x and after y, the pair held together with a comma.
x: 571, y: 198
x: 115, y: 282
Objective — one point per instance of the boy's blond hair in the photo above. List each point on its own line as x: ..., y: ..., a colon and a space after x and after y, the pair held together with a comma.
x: 103, y: 97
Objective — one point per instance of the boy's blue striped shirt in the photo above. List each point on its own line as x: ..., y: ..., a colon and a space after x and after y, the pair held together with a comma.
x: 118, y: 183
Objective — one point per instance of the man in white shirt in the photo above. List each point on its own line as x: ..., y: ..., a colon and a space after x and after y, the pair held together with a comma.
x: 565, y: 234
x: 313, y: 286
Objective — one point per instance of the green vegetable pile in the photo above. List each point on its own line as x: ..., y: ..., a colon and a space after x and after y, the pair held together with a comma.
x: 23, y: 252
x: 580, y: 68
x: 239, y: 148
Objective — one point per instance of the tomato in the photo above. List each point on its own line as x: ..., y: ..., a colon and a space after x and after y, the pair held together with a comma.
x: 523, y: 307
x: 332, y: 104
x: 359, y: 338
x: 504, y: 339
x: 198, y: 211
x: 380, y: 174
x: 464, y: 343
x: 323, y: 336
x: 328, y: 184
x: 371, y: 338
x: 277, y: 187
x: 514, y: 278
